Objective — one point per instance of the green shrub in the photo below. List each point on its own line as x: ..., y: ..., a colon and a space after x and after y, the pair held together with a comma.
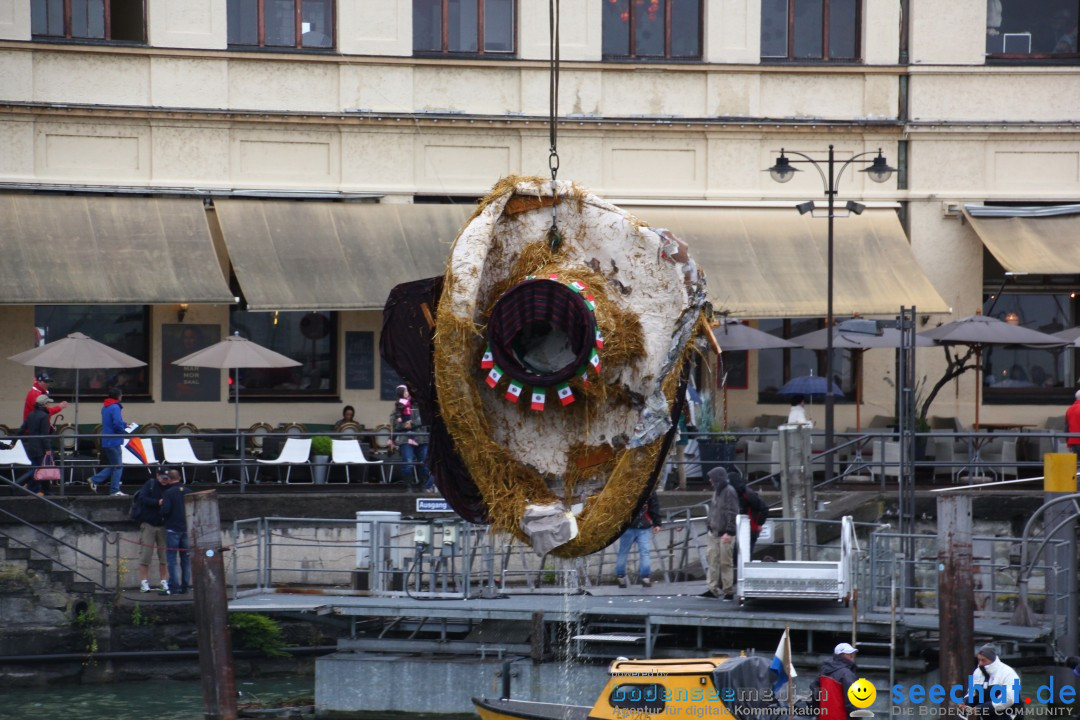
x: 251, y: 631
x: 321, y: 445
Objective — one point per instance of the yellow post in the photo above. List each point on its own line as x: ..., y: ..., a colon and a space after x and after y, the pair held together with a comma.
x: 1059, y: 472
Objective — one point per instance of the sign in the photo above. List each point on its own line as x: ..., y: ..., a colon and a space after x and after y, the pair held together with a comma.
x: 388, y: 382
x: 188, y: 384
x: 432, y: 505
x: 359, y: 360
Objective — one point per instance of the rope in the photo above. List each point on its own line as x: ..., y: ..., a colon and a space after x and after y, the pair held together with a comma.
x: 554, y: 238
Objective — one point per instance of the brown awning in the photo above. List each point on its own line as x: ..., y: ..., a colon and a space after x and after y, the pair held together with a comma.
x: 1029, y: 243
x: 290, y: 255
x: 772, y: 262
x: 60, y: 249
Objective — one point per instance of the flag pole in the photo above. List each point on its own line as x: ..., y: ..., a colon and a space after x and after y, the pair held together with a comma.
x: 791, y: 680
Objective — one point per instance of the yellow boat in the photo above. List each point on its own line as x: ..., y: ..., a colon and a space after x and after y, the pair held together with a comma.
x: 716, y: 687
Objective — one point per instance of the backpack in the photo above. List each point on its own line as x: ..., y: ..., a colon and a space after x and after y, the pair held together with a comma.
x: 756, y: 510
x: 136, y: 510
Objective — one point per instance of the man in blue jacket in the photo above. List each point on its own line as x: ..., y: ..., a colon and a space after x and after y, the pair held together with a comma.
x: 112, y: 423
x: 176, y: 535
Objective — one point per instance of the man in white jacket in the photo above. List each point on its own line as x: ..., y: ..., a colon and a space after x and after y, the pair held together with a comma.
x: 994, y: 685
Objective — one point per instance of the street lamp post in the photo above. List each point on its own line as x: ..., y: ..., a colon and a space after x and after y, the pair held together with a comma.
x: 879, y: 171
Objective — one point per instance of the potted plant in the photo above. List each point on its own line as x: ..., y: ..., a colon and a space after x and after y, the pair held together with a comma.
x: 320, y: 458
x: 718, y: 446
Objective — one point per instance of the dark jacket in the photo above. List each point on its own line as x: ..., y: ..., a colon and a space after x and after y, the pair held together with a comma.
x: 724, y: 506
x: 149, y: 507
x: 843, y: 671
x: 649, y: 515
x: 751, y: 505
x: 172, y: 510
x: 112, y: 423
x: 37, y: 424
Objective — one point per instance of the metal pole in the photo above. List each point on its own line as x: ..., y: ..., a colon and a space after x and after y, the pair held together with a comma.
x: 829, y: 398
x: 956, y: 589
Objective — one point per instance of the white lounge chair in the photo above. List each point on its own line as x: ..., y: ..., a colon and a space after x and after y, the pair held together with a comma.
x: 129, y: 458
x: 295, y: 451
x: 349, y: 452
x: 178, y: 451
x: 15, y: 456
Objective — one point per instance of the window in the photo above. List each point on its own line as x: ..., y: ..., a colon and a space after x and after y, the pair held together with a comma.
x: 307, y: 24
x: 667, y: 29
x: 463, y: 26
x: 1025, y: 29
x: 776, y: 367
x: 810, y: 29
x: 121, y: 327
x: 310, y: 338
x: 116, y: 20
x: 1023, y: 374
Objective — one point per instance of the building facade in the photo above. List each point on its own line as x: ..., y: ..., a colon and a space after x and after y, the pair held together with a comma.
x: 171, y: 172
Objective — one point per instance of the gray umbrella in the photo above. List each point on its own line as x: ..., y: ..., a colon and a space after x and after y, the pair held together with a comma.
x: 1070, y: 336
x: 76, y: 352
x: 980, y: 330
x: 733, y: 336
x: 233, y: 353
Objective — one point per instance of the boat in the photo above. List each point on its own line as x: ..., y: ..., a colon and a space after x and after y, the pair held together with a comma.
x: 715, y: 687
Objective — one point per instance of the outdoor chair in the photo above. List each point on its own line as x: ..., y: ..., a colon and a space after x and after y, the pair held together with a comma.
x: 1000, y: 456
x: 885, y: 460
x: 295, y: 451
x: 129, y: 458
x: 186, y: 428
x: 178, y: 451
x: 257, y: 436
x: 15, y: 456
x: 349, y: 452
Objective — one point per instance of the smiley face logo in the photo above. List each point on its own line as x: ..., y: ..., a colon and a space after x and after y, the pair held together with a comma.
x: 862, y: 693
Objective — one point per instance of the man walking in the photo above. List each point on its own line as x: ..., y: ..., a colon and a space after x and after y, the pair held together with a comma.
x: 837, y: 674
x: 152, y: 538
x: 176, y: 536
x: 40, y: 387
x: 723, y: 509
x: 112, y: 423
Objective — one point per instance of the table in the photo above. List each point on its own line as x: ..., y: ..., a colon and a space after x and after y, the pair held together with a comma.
x: 992, y: 426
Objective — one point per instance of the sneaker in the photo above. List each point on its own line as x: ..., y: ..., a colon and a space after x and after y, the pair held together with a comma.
x: 144, y: 586
x: 93, y: 485
x: 646, y: 582
x: 119, y: 493
x: 164, y: 585
x: 622, y: 582
x: 729, y: 596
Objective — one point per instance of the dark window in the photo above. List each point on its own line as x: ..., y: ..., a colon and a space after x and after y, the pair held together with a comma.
x: 1024, y: 29
x: 810, y: 29
x: 121, y: 327
x: 310, y: 338
x: 666, y: 29
x: 463, y: 26
x: 116, y: 20
x: 307, y: 24
x: 776, y: 367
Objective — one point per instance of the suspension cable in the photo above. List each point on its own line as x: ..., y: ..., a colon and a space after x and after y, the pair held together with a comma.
x: 554, y: 238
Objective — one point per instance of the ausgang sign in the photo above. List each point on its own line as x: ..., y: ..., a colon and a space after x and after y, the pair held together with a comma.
x: 432, y: 505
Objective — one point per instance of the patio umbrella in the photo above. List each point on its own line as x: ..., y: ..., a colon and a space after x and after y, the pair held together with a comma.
x: 1070, y: 336
x: 809, y: 385
x: 733, y: 336
x: 233, y: 353
x: 857, y: 343
x: 979, y: 330
x: 76, y: 352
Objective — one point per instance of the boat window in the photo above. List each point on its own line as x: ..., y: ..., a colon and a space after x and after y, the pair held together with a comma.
x: 648, y: 698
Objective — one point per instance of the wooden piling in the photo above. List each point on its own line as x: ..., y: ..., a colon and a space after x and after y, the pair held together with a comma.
x: 211, y: 606
x: 956, y: 589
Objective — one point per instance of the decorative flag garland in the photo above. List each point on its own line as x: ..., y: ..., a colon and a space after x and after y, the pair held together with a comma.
x: 563, y: 390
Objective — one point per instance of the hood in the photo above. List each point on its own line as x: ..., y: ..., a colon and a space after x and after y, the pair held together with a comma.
x: 112, y: 401
x: 835, y: 663
x: 719, y: 479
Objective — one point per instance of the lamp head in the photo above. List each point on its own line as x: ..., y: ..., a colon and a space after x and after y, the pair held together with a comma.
x: 880, y: 171
x: 783, y: 170
x: 181, y: 312
x: 855, y: 207
x: 805, y: 207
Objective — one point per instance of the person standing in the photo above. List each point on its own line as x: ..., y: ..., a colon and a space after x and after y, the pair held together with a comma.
x: 840, y: 669
x: 642, y: 527
x: 406, y: 436
x: 152, y: 530
x: 112, y: 423
x: 797, y: 413
x: 36, y: 427
x: 39, y: 388
x: 994, y: 686
x: 1072, y: 424
x: 723, y: 509
x: 176, y: 536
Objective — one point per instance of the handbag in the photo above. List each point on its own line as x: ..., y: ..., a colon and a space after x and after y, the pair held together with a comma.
x: 47, y: 472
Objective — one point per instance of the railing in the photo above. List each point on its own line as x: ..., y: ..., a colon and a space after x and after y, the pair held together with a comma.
x: 54, y: 544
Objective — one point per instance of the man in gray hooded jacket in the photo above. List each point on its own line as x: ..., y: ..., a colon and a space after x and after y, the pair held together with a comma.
x: 723, y: 509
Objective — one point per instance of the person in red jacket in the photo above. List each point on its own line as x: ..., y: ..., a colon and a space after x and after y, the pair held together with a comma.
x: 40, y: 387
x: 1072, y: 424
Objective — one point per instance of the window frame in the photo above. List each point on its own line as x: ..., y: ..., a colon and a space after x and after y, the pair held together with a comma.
x: 336, y: 367
x: 825, y: 58
x: 1037, y: 58
x: 298, y: 15
x: 445, y: 35
x: 106, y: 25
x: 631, y: 28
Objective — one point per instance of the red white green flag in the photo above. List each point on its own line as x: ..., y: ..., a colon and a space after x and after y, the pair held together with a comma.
x: 594, y: 360
x: 494, y: 376
x: 591, y: 302
x: 514, y: 391
x: 577, y: 286
x: 488, y: 361
x: 599, y: 339
x: 539, y: 396
x: 566, y: 395
x: 553, y: 276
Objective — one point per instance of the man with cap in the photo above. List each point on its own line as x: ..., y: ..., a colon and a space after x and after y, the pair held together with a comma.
x: 147, y: 510
x: 723, y: 509
x: 995, y: 687
x: 841, y: 669
x: 36, y: 428
x: 39, y: 388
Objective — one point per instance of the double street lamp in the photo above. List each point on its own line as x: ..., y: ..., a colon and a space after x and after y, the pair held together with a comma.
x: 784, y: 169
